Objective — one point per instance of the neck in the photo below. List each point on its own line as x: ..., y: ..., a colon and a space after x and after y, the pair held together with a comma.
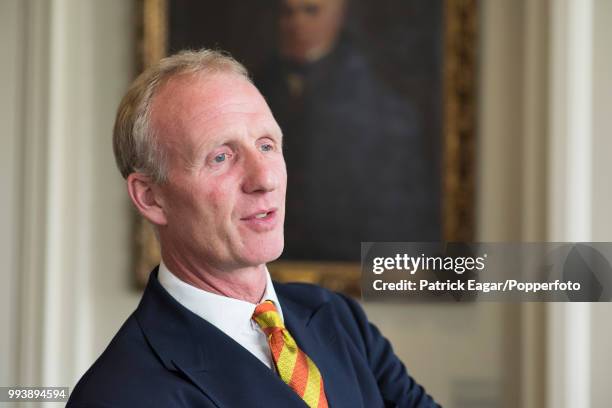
x: 247, y: 283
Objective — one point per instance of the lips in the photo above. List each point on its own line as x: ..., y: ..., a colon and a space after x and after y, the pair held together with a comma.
x: 261, y: 220
x: 259, y: 214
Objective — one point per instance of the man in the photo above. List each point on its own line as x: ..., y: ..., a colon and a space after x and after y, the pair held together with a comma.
x: 202, y: 156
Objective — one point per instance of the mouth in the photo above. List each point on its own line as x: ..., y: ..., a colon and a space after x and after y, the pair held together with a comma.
x: 260, y: 214
x: 262, y: 220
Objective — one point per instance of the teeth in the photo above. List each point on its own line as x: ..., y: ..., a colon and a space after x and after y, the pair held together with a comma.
x: 261, y: 215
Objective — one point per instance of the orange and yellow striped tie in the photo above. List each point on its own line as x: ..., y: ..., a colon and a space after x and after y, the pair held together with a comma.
x: 294, y: 366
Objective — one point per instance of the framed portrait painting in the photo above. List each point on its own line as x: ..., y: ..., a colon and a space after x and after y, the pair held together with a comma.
x: 376, y: 101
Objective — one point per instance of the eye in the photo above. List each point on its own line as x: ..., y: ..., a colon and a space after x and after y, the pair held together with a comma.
x: 266, y: 147
x: 220, y: 157
x: 311, y: 9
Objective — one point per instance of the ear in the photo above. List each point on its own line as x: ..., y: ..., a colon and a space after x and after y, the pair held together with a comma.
x: 146, y: 198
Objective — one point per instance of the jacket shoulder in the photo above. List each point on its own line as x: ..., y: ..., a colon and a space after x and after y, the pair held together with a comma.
x: 313, y: 296
x: 127, y: 374
x: 346, y: 310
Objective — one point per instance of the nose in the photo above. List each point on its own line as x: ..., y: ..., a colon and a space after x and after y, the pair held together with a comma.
x: 261, y: 173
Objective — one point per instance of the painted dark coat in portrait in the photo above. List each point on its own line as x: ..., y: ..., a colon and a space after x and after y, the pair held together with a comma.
x: 357, y: 156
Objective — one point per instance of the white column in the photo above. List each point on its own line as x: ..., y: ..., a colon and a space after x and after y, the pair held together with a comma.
x: 69, y: 189
x: 33, y: 114
x: 52, y: 135
x: 601, y: 329
x: 570, y: 215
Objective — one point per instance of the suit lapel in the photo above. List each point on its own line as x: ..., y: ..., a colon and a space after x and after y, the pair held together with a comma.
x: 227, y: 373
x: 232, y: 377
x: 313, y: 326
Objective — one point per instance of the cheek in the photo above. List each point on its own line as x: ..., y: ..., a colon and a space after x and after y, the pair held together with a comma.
x: 217, y: 201
x: 282, y: 173
x: 191, y: 204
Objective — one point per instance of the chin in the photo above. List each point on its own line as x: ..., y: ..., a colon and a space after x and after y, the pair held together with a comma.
x: 264, y: 252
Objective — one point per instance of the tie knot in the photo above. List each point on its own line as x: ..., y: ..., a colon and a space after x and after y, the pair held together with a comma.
x: 267, y: 317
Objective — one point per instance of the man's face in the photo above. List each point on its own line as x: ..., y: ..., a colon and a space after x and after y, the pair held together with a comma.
x: 309, y: 28
x: 224, y: 200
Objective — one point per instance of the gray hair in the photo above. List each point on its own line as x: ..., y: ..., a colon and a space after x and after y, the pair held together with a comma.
x: 135, y: 143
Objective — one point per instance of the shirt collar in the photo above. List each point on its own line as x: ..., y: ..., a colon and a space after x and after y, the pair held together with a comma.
x: 232, y: 316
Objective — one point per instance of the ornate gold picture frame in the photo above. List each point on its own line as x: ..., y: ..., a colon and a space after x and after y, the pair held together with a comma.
x: 460, y: 22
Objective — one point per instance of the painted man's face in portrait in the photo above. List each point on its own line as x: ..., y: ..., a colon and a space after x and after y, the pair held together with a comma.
x: 309, y: 28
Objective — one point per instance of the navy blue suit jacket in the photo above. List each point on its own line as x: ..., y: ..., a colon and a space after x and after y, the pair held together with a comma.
x: 166, y: 356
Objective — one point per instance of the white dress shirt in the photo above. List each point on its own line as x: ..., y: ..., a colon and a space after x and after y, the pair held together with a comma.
x: 231, y: 316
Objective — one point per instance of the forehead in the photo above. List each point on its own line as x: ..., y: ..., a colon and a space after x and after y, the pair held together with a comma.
x: 191, y: 104
x: 193, y: 94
